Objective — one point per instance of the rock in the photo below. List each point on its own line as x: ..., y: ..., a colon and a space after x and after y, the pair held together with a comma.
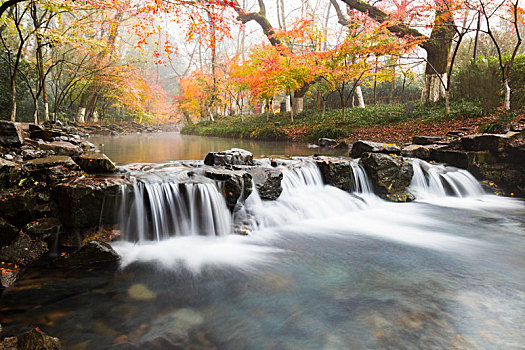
x: 20, y: 207
x: 416, y: 151
x: 11, y: 134
x: 455, y: 158
x: 96, y: 163
x: 360, y: 147
x: 140, y: 291
x: 173, y: 327
x: 234, y: 156
x: 8, y: 277
x: 267, y: 181
x: 23, y: 251
x: 482, y: 142
x: 9, y: 173
x: 455, y: 133
x: 390, y: 175
x: 336, y: 172
x: 237, y: 184
x: 62, y: 148
x: 43, y: 229
x: 35, y: 127
x: 52, y: 161
x: 8, y: 232
x: 426, y: 140
x: 87, y: 146
x: 326, y: 142
x: 34, y: 339
x: 342, y: 145
x: 92, y: 253
x: 89, y: 202
x: 45, y: 135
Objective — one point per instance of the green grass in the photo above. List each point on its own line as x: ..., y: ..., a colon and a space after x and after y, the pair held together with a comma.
x: 312, y: 125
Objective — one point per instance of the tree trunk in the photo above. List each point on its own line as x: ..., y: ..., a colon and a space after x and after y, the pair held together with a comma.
x: 447, y: 101
x: 506, y: 88
x: 298, y: 104
x: 13, y: 98
x: 433, y: 90
x: 360, y: 98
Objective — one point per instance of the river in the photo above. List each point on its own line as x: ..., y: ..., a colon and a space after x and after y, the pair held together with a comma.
x: 325, y: 270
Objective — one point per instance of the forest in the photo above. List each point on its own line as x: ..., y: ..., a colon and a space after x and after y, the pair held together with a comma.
x: 262, y: 69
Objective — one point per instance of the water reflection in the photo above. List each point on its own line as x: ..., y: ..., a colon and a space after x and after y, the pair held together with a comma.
x: 163, y: 147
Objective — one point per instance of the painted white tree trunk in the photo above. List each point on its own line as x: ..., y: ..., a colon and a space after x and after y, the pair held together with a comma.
x: 288, y: 103
x: 46, y: 111
x: 434, y: 89
x: 81, y: 115
x: 298, y: 105
x: 360, y: 98
x: 507, y: 94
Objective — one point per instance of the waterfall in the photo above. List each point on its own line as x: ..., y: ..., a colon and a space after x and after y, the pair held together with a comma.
x: 157, y: 211
x: 361, y: 182
x: 438, y: 180
x: 300, y: 173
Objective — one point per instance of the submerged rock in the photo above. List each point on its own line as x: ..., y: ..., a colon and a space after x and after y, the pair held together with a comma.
x: 95, y: 163
x: 390, y: 175
x: 234, y: 156
x: 11, y: 134
x: 361, y: 146
x: 23, y: 251
x: 35, y: 339
x: 267, y: 181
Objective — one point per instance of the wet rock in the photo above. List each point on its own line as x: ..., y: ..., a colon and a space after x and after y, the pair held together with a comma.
x: 52, y: 161
x: 43, y: 229
x: 457, y: 158
x: 426, y: 140
x: 336, y: 172
x: 267, y: 181
x: 9, y: 173
x: 361, y: 146
x: 416, y: 151
x: 23, y: 251
x: 326, y: 142
x: 45, y: 134
x: 234, y: 156
x: 89, y: 202
x: 236, y: 184
x: 11, y: 134
x: 342, y: 145
x: 62, y: 148
x: 20, y: 207
x: 8, y: 277
x: 171, y: 329
x: 87, y: 146
x: 482, y: 142
x: 390, y: 175
x: 92, y: 253
x: 95, y: 163
x: 35, y: 339
x: 35, y: 127
x: 8, y: 232
x: 455, y: 133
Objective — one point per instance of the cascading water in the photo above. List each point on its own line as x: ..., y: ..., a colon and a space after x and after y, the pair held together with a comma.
x: 431, y: 180
x: 361, y: 182
x: 157, y: 211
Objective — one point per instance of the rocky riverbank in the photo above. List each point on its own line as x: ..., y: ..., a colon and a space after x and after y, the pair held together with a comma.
x: 59, y: 197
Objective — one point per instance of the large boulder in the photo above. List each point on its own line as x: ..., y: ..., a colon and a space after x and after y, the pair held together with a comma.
x: 23, y: 251
x: 96, y: 163
x: 391, y: 175
x: 457, y: 158
x: 34, y: 339
x: 234, y: 156
x: 91, y: 253
x: 267, y: 181
x: 336, y: 172
x: 236, y: 184
x: 89, y: 202
x: 11, y: 134
x: 361, y: 146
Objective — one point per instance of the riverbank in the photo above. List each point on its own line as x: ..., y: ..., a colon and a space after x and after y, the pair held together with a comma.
x: 383, y: 123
